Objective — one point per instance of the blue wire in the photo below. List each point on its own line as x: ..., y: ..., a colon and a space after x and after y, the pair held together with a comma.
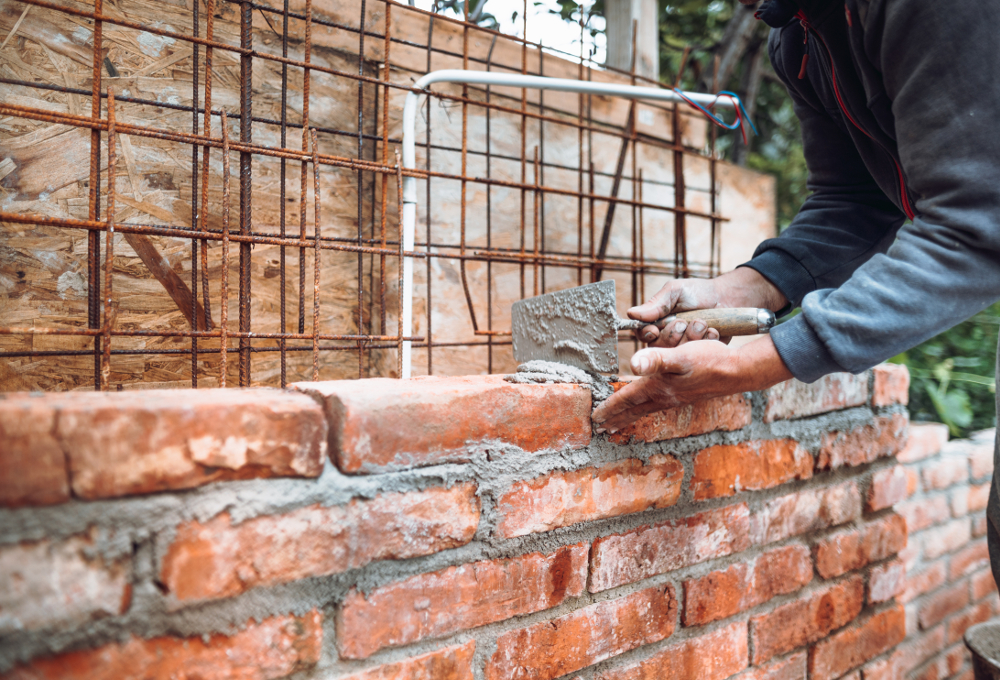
x: 718, y: 121
x: 739, y: 102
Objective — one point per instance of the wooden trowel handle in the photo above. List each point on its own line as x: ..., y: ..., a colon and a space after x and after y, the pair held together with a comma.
x: 733, y: 321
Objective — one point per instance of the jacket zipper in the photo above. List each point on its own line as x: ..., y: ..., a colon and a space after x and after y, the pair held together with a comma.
x: 907, y: 208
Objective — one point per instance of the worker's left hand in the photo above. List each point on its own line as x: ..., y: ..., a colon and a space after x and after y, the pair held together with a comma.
x: 694, y: 371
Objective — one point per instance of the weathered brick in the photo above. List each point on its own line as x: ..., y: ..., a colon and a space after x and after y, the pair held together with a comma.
x: 912, y: 480
x: 723, y: 593
x: 561, y: 499
x: 382, y: 424
x: 956, y: 657
x: 32, y: 463
x: 792, y: 667
x: 794, y: 399
x: 888, y: 487
x: 458, y: 598
x: 850, y: 648
x: 713, y: 656
x: 727, y: 469
x: 945, y: 539
x: 218, y: 559
x: 273, y: 648
x: 722, y: 414
x: 805, y: 511
x: 862, y: 445
x: 553, y: 648
x: 892, y: 385
x: 122, y: 443
x: 979, y: 496
x: 925, y: 440
x: 922, y: 582
x: 942, y: 604
x: 48, y: 583
x: 971, y: 558
x: 983, y: 584
x: 922, y: 513
x: 850, y: 550
x: 807, y: 619
x: 980, y: 455
x: 650, y: 550
x: 916, y: 650
x: 959, y: 623
x: 450, y: 663
x: 944, y: 472
x: 886, y: 581
x: 979, y: 526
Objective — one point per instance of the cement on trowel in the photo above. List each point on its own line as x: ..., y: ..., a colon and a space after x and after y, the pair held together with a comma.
x: 577, y: 327
x: 538, y: 372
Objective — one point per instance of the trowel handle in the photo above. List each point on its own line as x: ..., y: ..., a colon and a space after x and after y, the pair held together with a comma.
x: 734, y: 321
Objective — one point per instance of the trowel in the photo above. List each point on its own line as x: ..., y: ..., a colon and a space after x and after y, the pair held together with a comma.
x: 579, y: 326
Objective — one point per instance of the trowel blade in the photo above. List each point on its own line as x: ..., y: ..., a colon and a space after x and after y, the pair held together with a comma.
x: 577, y: 326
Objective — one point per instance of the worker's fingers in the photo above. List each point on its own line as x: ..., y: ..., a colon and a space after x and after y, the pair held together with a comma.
x: 658, y: 306
x: 713, y: 334
x: 625, y: 418
x: 698, y: 330
x: 648, y: 334
x: 626, y: 398
x: 650, y: 361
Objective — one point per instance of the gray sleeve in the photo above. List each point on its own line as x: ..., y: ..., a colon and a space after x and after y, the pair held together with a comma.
x: 941, y: 69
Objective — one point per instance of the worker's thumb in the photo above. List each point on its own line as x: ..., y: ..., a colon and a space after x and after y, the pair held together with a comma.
x: 652, y: 360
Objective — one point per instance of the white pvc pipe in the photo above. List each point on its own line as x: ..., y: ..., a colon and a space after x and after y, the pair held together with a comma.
x: 496, y: 79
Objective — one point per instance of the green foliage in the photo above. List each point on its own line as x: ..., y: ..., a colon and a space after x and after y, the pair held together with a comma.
x: 474, y: 9
x: 952, y: 375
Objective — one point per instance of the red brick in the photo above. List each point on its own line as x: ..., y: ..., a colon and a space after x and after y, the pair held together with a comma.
x: 850, y: 648
x: 850, y: 550
x: 218, y: 559
x: 923, y: 582
x: 889, y: 486
x: 805, y: 511
x: 935, y: 670
x: 560, y: 499
x: 971, y: 558
x: 925, y: 440
x: 713, y: 656
x: 794, y: 399
x: 727, y: 469
x: 956, y: 658
x: 983, y: 584
x: 458, y: 598
x: 32, y: 463
x: 450, y: 663
x: 912, y: 481
x: 945, y: 472
x: 979, y: 496
x: 979, y: 526
x: 383, y: 424
x: 48, y: 583
x: 864, y: 444
x: 967, y: 674
x: 922, y: 513
x: 806, y: 619
x: 723, y: 414
x: 892, y: 385
x: 959, y: 623
x: 650, y: 550
x: 792, y: 667
x: 946, y: 539
x: 942, y: 604
x: 721, y: 594
x: 980, y: 456
x: 122, y: 443
x: 553, y: 648
x: 273, y: 648
x: 886, y: 581
x: 916, y: 650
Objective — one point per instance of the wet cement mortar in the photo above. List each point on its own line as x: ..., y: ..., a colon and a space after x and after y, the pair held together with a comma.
x: 141, y: 528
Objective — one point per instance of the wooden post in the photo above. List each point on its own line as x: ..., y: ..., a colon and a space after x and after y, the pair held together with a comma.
x: 620, y: 16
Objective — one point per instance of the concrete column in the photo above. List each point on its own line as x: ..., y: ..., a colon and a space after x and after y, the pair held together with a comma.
x: 620, y: 16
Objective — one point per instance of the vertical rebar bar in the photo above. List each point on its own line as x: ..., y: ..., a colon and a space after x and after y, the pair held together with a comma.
x: 94, y: 208
x: 109, y: 244
x: 465, y: 160
x: 203, y: 216
x: 195, y: 66
x: 317, y: 221
x: 304, y: 169
x: 246, y: 185
x: 224, y: 284
x: 282, y: 217
x: 361, y: 141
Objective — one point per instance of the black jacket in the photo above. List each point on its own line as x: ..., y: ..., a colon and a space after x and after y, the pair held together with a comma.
x: 899, y: 103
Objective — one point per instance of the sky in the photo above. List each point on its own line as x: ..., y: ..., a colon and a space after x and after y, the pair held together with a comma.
x: 543, y: 26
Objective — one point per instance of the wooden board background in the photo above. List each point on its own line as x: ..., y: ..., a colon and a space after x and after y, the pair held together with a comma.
x: 45, y: 170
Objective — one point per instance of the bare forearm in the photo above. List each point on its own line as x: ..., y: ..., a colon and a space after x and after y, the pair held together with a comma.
x: 759, y: 366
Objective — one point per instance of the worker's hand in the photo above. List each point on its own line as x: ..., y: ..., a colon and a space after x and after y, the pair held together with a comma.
x: 743, y: 287
x: 692, y: 372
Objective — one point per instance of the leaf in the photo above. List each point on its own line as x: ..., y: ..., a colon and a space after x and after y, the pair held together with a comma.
x: 952, y: 407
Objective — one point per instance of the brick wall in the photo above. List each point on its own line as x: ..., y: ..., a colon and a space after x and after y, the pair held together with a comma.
x: 459, y: 528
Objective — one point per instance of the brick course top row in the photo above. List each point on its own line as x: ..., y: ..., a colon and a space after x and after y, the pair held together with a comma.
x: 91, y: 445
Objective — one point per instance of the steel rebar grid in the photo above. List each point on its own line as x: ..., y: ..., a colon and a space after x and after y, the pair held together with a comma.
x: 201, y: 233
